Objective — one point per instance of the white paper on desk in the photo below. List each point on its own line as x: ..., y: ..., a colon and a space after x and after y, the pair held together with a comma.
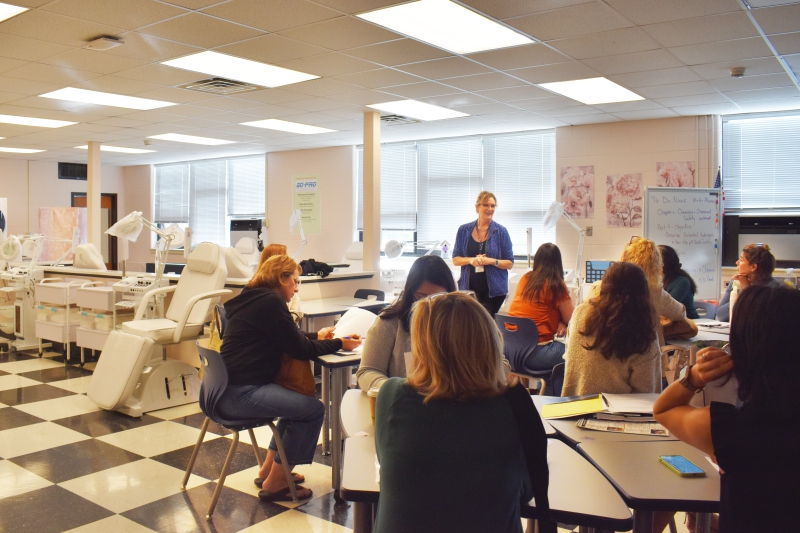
x: 354, y: 322
x: 630, y: 403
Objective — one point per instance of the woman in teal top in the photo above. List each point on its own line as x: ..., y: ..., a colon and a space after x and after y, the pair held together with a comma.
x: 677, y: 282
x: 459, y: 450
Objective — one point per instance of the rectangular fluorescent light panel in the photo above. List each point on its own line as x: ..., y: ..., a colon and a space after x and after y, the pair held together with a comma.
x: 7, y: 11
x: 592, y: 91
x: 99, y: 98
x: 19, y: 150
x: 447, y: 25
x: 239, y: 69
x: 283, y: 125
x: 120, y: 149
x: 418, y: 110
x: 178, y: 138
x: 38, y: 122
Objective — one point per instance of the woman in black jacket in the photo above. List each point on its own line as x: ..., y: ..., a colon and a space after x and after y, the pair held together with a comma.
x: 259, y: 331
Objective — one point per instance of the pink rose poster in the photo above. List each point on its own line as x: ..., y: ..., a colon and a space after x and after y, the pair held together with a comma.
x: 577, y: 191
x: 675, y: 174
x: 624, y: 200
x: 57, y: 223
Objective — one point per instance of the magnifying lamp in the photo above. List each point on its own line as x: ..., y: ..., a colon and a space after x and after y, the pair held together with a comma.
x: 295, y: 222
x: 554, y: 212
x: 130, y: 226
x: 393, y: 249
x: 11, y: 249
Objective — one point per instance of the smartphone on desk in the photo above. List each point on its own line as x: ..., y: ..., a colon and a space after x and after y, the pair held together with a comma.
x: 681, y: 466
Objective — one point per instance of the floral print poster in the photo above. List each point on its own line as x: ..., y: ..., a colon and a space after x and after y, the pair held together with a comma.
x: 675, y: 174
x: 624, y: 200
x: 577, y: 191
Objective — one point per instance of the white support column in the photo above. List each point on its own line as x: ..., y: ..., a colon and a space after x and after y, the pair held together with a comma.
x: 372, y: 193
x: 93, y: 181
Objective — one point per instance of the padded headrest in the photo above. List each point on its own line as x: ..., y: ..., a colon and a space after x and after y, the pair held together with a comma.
x: 355, y: 251
x: 204, y: 258
x: 87, y: 256
x: 237, y: 264
x: 246, y: 245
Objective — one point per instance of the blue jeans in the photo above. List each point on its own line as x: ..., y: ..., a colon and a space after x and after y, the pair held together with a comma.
x: 300, y: 416
x: 545, y: 357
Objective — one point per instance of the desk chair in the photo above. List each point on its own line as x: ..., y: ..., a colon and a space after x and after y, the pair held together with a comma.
x: 237, y: 265
x: 215, y: 381
x: 705, y: 309
x: 364, y: 294
x: 520, y: 338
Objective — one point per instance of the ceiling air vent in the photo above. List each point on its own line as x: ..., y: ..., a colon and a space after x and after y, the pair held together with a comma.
x: 396, y: 120
x: 221, y: 86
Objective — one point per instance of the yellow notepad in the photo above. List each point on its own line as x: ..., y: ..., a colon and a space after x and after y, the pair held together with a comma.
x: 579, y: 407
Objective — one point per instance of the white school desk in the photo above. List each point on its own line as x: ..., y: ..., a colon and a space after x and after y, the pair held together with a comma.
x: 646, y: 485
x: 578, y: 493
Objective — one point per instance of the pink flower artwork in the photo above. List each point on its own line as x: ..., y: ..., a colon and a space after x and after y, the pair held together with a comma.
x: 577, y: 191
x: 624, y: 200
x: 675, y: 174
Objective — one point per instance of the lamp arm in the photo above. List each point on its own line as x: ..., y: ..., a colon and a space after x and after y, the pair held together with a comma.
x: 572, y: 222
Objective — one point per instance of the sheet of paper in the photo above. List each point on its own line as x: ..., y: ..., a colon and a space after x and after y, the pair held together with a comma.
x: 354, y: 322
x: 631, y: 403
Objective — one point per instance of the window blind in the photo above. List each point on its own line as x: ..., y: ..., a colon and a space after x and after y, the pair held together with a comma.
x: 761, y: 163
x: 246, y: 182
x: 398, y: 187
x: 171, y: 194
x: 207, y: 202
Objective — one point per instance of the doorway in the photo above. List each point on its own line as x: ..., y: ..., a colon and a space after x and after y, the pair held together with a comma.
x: 108, y: 217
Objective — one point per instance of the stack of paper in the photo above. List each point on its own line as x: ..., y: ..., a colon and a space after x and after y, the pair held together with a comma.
x: 637, y: 404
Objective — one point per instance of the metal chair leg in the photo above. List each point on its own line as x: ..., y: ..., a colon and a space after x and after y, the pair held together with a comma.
x: 194, y: 453
x: 284, y: 463
x: 223, y: 475
x: 255, y: 448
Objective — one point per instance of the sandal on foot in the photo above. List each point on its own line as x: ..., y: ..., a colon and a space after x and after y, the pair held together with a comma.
x: 284, y: 495
x: 297, y: 478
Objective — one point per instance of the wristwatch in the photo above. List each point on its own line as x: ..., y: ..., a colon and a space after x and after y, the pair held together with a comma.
x: 686, y: 381
x: 496, y: 262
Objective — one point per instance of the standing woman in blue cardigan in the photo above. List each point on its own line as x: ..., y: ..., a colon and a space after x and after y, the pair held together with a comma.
x: 483, y: 251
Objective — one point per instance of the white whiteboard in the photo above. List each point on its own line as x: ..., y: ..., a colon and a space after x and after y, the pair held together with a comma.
x: 689, y: 221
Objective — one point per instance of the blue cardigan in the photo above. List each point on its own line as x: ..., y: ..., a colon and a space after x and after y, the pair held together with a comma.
x: 498, y: 246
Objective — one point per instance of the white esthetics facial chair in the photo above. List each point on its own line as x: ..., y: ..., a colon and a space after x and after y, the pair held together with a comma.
x: 237, y: 264
x: 248, y: 247
x: 132, y: 375
x: 88, y: 256
x: 354, y: 256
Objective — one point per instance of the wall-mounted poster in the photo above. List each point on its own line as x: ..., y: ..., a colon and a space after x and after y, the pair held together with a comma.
x: 675, y: 174
x: 624, y: 200
x: 3, y: 219
x: 58, y: 223
x: 577, y: 191
x: 306, y: 198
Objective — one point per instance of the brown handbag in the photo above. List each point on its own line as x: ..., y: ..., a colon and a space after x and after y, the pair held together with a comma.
x: 296, y: 376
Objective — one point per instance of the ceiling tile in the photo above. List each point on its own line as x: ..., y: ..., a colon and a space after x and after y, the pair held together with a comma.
x: 365, y: 97
x: 570, y: 22
x: 92, y: 61
x: 383, y: 77
x: 551, y: 73
x: 703, y: 29
x: 201, y: 30
x: 764, y: 94
x: 699, y: 99
x: 637, y: 61
x: 280, y: 15
x: 150, y: 48
x: 41, y: 103
x: 274, y: 111
x: 172, y: 94
x: 26, y: 49
x: 753, y: 67
x: 6, y: 63
x: 271, y: 49
x: 543, y: 104
x: 355, y: 113
x: 757, y: 106
x: 223, y: 103
x: 328, y: 65
x: 577, y: 110
x: 121, y: 122
x: 356, y: 6
x: 115, y: 84
x: 696, y: 54
x: 786, y: 43
x: 483, y: 82
x: 193, y: 4
x: 589, y: 119
x: 780, y: 19
x: 653, y: 11
x: 398, y: 52
x: 128, y: 14
x: 26, y: 87
x: 425, y: 89
x: 608, y: 43
x: 322, y: 87
x: 448, y: 67
x: 707, y: 109
x: 38, y: 24
x: 510, y: 94
x: 51, y: 74
x: 646, y: 114
x: 487, y: 109
x: 676, y: 89
x: 648, y: 78
x: 456, y: 100
x: 748, y: 83
x: 529, y: 55
x: 310, y: 104
x: 515, y: 8
x: 271, y: 96
x: 341, y: 33
x: 162, y: 73
x: 636, y: 105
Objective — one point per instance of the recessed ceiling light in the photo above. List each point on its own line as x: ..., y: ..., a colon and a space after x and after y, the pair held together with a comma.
x: 121, y: 149
x: 592, y: 91
x: 179, y: 138
x: 19, y: 150
x: 447, y: 25
x: 283, y: 125
x: 99, y: 98
x: 38, y: 122
x: 418, y: 110
x: 236, y: 68
x: 7, y: 11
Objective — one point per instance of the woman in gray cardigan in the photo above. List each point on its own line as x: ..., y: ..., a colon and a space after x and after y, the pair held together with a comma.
x: 388, y: 339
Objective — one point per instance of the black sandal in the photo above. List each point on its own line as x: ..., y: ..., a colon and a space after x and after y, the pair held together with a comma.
x: 297, y: 478
x: 285, y: 495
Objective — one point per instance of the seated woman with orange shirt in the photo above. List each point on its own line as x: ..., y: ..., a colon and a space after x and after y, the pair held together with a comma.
x: 542, y: 296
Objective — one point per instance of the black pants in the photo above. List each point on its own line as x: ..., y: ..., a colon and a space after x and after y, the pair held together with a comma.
x: 492, y: 305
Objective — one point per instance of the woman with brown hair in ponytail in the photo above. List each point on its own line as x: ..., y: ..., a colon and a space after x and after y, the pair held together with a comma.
x: 754, y: 267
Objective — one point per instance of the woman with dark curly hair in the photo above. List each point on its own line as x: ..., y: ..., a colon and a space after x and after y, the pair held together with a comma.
x: 613, y: 343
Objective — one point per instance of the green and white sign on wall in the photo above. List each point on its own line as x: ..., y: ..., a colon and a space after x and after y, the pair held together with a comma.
x: 306, y: 198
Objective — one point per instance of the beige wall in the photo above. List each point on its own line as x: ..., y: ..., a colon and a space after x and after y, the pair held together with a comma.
x: 137, y: 191
x: 334, y: 167
x: 621, y: 148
